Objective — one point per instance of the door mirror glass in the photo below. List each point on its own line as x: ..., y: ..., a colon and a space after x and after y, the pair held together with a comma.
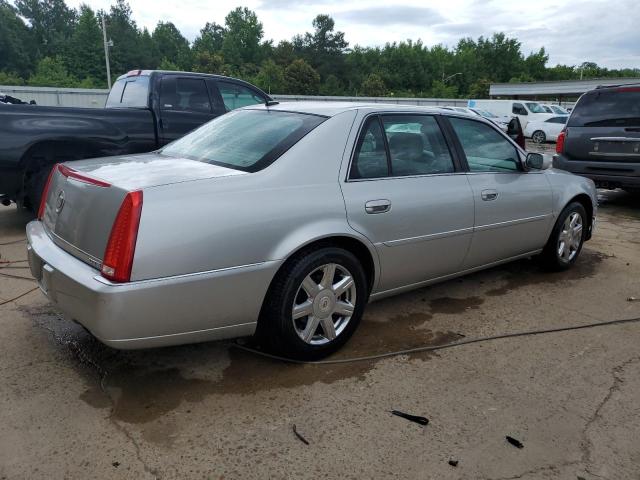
x: 538, y: 161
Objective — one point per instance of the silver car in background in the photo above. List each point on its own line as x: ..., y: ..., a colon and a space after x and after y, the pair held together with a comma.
x: 285, y: 220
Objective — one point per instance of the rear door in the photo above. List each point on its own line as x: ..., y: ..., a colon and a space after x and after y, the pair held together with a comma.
x: 405, y: 192
x: 513, y: 208
x: 185, y: 104
x: 604, y: 127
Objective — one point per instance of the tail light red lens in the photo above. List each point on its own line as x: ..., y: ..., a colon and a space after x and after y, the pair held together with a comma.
x: 118, y: 257
x: 45, y: 192
x: 560, y: 142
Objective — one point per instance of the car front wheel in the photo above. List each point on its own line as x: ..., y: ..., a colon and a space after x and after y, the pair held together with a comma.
x: 314, y: 304
x: 566, y: 240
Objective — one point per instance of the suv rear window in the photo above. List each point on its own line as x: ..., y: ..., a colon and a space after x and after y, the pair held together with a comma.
x: 603, y: 108
x: 247, y: 140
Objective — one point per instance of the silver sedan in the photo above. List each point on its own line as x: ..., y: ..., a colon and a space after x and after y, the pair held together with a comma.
x: 286, y: 220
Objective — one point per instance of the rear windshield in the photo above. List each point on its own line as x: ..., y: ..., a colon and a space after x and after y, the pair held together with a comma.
x: 130, y: 92
x: 247, y: 140
x: 603, y: 108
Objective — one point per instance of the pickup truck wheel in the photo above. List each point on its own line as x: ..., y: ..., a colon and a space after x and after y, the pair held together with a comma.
x: 539, y: 136
x: 566, y: 240
x: 314, y: 304
x: 34, y: 185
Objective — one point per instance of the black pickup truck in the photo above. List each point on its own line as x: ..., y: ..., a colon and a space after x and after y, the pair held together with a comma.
x: 145, y: 110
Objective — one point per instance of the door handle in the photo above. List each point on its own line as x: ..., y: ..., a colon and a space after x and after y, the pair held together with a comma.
x: 488, y: 195
x: 377, y: 206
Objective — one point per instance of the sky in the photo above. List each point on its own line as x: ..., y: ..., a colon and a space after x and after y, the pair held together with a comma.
x: 572, y: 32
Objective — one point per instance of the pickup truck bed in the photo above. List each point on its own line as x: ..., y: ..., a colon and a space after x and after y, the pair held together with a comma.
x: 144, y: 111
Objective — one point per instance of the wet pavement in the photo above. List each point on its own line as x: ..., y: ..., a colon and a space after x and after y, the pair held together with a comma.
x: 72, y: 408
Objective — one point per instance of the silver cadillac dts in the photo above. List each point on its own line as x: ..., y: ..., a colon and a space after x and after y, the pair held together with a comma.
x: 285, y: 220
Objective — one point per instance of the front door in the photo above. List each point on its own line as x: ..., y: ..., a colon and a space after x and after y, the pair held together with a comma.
x: 513, y: 207
x: 406, y: 194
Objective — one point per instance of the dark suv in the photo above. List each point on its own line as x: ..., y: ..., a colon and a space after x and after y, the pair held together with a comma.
x: 602, y: 138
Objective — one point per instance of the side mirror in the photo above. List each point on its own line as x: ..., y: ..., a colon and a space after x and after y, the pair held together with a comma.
x: 538, y: 161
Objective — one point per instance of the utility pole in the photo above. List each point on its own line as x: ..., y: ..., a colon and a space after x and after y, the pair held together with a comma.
x: 106, y: 51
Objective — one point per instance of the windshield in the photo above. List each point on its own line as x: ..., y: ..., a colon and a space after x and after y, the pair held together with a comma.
x: 129, y: 92
x: 247, y: 140
x: 535, y: 107
x: 559, y: 110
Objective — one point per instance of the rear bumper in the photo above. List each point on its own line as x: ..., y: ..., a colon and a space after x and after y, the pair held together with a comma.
x: 168, y: 311
x: 604, y: 174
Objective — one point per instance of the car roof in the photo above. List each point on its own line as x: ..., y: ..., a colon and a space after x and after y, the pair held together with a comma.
x: 330, y: 109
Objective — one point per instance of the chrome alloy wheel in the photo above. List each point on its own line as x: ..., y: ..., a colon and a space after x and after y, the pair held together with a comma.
x: 538, y: 137
x: 324, y: 304
x: 570, y: 237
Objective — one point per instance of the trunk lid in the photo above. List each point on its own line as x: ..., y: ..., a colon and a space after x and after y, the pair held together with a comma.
x: 84, y: 197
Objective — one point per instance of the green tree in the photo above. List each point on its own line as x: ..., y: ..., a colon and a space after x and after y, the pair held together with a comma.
x: 210, y: 38
x: 241, y: 42
x: 270, y: 78
x: 323, y: 49
x: 332, y: 86
x: 373, y: 86
x: 442, y: 90
x: 301, y: 79
x: 84, y: 53
x: 166, y: 64
x: 206, y: 62
x: 17, y: 51
x: 169, y: 43
x: 11, y: 79
x: 127, y: 52
x: 51, y: 24
x: 52, y: 72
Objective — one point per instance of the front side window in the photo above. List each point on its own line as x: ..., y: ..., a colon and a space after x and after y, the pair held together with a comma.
x: 486, y: 149
x: 236, y: 96
x: 247, y: 140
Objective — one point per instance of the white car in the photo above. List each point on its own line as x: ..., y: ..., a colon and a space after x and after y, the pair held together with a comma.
x: 545, y: 130
x: 502, y: 122
x: 554, y: 109
x: 525, y: 110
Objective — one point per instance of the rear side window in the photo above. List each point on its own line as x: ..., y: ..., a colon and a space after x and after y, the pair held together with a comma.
x: 130, y: 92
x: 236, y: 96
x: 409, y: 145
x: 604, y: 108
x: 247, y: 140
x: 188, y: 94
x: 557, y: 120
x: 486, y: 150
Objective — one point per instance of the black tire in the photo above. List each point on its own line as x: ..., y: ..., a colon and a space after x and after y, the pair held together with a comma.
x: 276, y: 330
x: 34, y: 186
x: 539, y: 136
x: 551, y: 258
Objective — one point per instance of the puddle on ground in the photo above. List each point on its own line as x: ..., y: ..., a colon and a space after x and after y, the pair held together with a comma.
x: 619, y: 203
x: 143, y: 386
x: 524, y: 273
x: 451, y: 306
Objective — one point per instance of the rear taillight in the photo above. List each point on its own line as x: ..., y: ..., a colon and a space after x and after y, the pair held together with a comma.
x: 118, y: 257
x: 560, y: 142
x: 45, y: 192
x: 71, y: 173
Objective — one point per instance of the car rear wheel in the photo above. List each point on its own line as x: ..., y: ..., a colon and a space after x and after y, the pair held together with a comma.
x: 314, y: 304
x: 566, y: 240
x: 539, y: 136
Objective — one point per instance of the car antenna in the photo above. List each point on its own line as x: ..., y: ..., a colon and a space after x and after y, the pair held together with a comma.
x: 270, y: 103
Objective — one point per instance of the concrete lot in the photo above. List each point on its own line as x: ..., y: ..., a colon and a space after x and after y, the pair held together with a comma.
x: 72, y: 408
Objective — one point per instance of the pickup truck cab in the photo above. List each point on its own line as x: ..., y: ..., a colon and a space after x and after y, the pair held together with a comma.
x: 145, y: 110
